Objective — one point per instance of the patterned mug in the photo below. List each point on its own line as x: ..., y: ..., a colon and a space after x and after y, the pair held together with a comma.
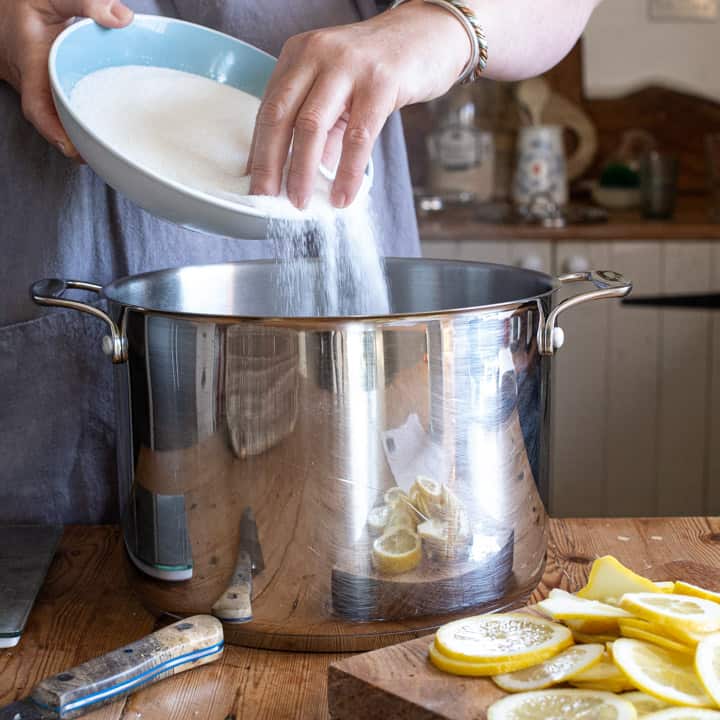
x: 540, y: 165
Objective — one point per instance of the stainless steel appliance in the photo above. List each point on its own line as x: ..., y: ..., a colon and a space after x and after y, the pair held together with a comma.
x: 259, y: 454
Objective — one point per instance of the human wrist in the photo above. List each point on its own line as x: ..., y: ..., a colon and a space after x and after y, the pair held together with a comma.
x: 455, y: 45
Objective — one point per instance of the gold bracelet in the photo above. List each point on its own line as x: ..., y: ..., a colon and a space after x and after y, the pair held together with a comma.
x: 478, y: 42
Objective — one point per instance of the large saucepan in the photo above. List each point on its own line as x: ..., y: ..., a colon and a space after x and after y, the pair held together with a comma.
x: 256, y: 452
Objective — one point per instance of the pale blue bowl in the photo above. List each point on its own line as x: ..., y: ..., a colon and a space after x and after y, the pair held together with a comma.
x: 85, y: 47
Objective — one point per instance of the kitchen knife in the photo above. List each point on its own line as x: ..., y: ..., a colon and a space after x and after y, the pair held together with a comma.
x: 235, y: 604
x: 186, y: 644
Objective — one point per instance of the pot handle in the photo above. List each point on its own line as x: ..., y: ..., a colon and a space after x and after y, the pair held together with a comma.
x: 609, y: 284
x: 50, y: 292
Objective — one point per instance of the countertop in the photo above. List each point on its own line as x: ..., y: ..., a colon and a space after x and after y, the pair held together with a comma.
x: 690, y: 222
x: 86, y: 608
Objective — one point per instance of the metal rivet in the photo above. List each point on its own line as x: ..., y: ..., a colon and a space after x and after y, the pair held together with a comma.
x: 558, y: 337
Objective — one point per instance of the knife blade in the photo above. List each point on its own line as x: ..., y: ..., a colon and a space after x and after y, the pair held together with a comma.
x: 186, y: 644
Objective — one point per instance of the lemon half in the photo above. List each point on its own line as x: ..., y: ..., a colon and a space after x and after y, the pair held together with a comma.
x: 397, y: 551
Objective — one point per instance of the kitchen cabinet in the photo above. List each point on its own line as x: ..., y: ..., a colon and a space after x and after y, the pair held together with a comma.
x: 636, y: 394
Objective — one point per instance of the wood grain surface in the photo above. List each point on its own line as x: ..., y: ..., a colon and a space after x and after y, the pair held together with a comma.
x: 86, y: 609
x: 399, y: 682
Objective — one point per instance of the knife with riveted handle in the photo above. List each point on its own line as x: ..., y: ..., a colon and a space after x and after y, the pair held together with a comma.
x: 186, y: 644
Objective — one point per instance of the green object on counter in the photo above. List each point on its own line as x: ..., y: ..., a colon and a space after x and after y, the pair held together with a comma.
x: 617, y: 175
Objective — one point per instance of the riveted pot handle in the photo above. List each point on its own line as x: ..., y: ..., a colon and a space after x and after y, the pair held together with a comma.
x: 608, y: 284
x: 50, y: 292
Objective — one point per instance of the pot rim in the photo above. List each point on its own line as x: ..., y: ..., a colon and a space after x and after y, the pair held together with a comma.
x: 306, y: 320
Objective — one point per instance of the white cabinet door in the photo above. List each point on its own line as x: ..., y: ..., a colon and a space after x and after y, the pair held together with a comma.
x: 535, y: 255
x: 637, y: 390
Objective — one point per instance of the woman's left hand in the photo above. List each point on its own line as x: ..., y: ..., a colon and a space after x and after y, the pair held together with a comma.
x: 333, y: 89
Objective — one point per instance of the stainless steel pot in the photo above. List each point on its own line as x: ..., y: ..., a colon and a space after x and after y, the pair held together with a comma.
x: 256, y: 452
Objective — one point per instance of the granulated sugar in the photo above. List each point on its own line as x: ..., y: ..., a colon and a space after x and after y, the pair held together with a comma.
x: 197, y: 132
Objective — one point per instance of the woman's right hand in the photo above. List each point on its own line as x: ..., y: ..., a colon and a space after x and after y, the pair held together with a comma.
x: 27, y: 31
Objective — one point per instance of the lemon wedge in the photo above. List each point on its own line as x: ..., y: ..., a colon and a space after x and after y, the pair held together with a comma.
x: 557, y: 669
x: 544, y: 704
x: 644, y: 703
x: 397, y: 551
x: 683, y: 713
x: 707, y: 665
x: 603, y: 675
x: 684, y: 611
x: 500, y: 637
x: 609, y: 580
x: 683, y: 588
x: 666, y: 675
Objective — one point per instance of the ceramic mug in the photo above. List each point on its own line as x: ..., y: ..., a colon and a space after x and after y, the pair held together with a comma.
x: 541, y: 167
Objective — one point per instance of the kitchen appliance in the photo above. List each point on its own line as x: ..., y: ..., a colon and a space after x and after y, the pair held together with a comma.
x: 446, y: 397
x: 185, y: 644
x: 26, y: 552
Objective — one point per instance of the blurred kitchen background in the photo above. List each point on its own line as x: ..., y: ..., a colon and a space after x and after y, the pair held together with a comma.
x: 612, y: 161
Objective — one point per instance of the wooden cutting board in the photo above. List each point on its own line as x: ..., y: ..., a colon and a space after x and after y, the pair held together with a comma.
x: 399, y: 683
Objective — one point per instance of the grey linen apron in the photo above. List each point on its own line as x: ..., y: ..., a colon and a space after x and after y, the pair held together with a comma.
x: 57, y: 219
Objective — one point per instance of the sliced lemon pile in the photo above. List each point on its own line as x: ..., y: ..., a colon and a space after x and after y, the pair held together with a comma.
x: 661, y: 673
x: 707, y: 665
x: 557, y: 669
x: 609, y: 580
x: 516, y: 638
x: 691, y: 613
x: 397, y: 551
x: 645, y: 648
x: 683, y: 713
x: 643, y: 703
x: 544, y: 704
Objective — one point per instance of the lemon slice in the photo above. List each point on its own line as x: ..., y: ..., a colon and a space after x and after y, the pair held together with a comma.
x: 638, y: 633
x: 603, y: 675
x: 378, y: 519
x: 665, y: 586
x: 561, y: 605
x: 503, y: 636
x: 683, y: 588
x: 679, y: 633
x: 683, y: 713
x: 609, y: 580
x: 707, y: 665
x: 545, y: 704
x: 690, y: 613
x: 397, y: 551
x: 604, y: 638
x: 644, y: 703
x: 473, y: 669
x: 557, y: 669
x: 666, y: 675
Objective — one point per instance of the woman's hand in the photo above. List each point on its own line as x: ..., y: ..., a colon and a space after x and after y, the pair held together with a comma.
x: 333, y: 89
x: 27, y: 30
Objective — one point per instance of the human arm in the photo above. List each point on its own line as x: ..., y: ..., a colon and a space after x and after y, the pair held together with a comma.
x: 333, y: 89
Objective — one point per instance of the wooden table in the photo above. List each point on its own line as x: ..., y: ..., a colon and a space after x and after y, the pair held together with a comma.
x: 86, y: 608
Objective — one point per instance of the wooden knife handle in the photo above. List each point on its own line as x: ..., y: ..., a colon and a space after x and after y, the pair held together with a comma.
x: 185, y: 644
